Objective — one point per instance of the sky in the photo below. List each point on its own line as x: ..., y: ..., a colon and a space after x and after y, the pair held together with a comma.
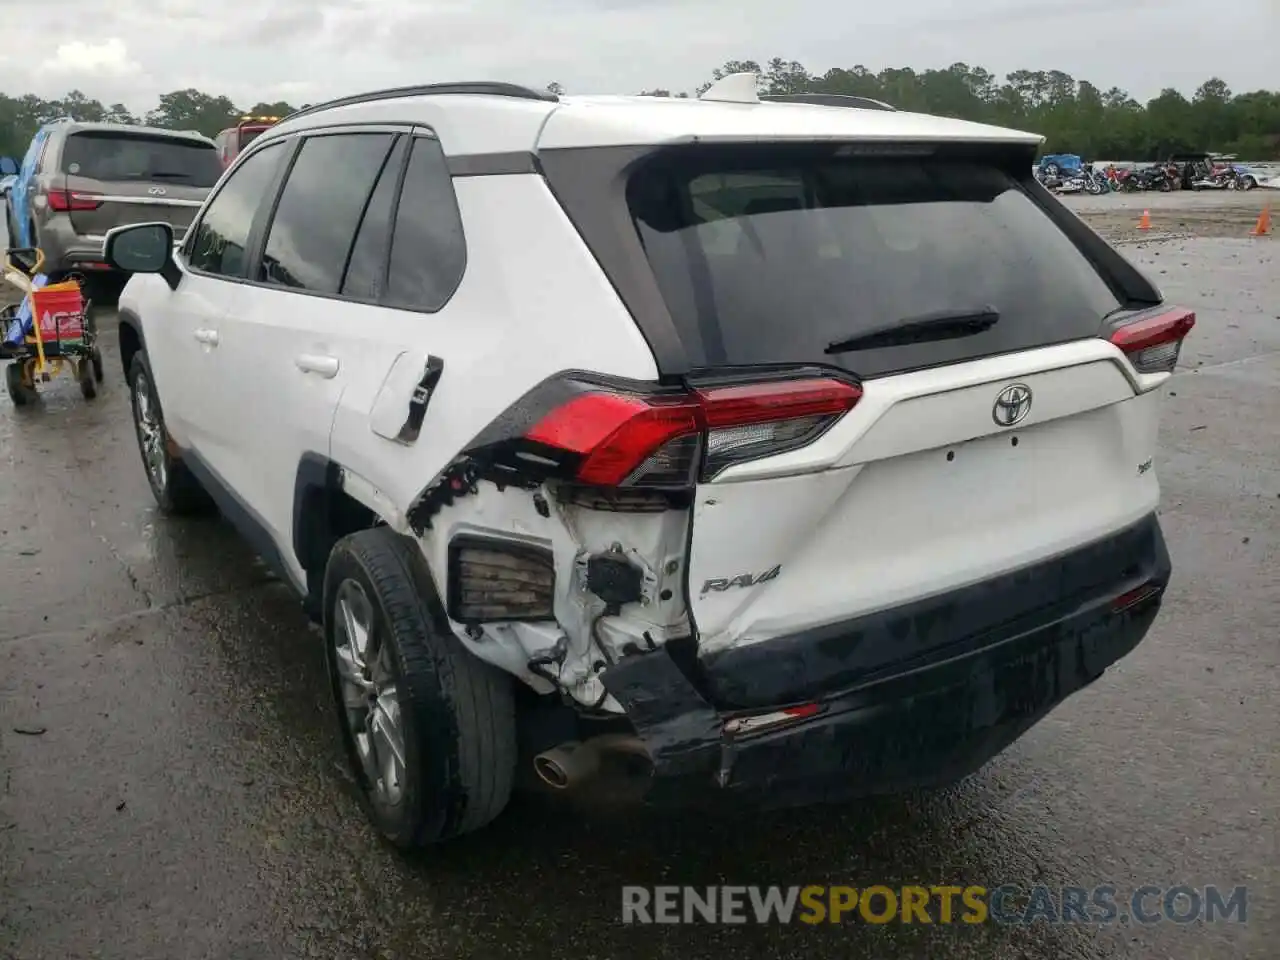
x: 309, y: 50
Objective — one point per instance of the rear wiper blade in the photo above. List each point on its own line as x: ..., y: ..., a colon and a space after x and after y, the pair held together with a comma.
x: 166, y: 175
x: 928, y: 327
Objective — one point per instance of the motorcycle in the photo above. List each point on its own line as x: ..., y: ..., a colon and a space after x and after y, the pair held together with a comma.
x: 1096, y: 183
x: 1225, y: 178
x: 1149, y: 178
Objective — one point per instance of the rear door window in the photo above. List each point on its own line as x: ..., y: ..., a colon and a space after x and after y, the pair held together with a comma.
x: 108, y: 155
x: 323, y: 200
x: 769, y: 255
x: 367, y: 267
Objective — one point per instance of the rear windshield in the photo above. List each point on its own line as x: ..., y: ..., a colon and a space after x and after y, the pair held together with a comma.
x: 250, y: 134
x: 116, y: 156
x: 771, y: 255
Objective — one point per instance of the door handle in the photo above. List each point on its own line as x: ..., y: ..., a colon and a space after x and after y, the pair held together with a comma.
x: 326, y: 367
x: 208, y: 337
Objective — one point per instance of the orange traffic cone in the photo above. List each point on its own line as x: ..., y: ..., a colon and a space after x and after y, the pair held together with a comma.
x: 1145, y: 222
x: 1263, y: 226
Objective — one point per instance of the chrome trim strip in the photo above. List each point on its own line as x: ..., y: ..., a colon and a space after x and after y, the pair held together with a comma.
x: 144, y: 201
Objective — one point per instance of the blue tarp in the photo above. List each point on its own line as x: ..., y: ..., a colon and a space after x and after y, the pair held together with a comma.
x: 20, y: 326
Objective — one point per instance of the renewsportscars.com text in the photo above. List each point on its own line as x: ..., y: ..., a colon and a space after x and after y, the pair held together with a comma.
x: 1007, y: 903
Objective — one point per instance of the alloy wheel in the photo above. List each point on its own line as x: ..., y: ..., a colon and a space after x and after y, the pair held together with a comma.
x: 370, y: 700
x: 151, y: 434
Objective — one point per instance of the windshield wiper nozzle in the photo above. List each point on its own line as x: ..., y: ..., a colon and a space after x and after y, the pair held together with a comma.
x: 926, y: 328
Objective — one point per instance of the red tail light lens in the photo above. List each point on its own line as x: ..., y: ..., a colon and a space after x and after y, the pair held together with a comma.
x: 630, y: 440
x: 1153, y: 343
x: 62, y: 201
x: 615, y: 434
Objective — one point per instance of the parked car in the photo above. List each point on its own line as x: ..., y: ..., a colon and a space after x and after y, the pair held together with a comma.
x: 774, y: 450
x: 78, y: 180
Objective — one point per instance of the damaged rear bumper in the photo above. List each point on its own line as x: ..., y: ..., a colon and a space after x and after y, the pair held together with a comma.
x: 935, y: 720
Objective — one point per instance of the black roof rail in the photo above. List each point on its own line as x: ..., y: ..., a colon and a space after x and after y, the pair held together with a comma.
x: 481, y: 88
x: 830, y: 100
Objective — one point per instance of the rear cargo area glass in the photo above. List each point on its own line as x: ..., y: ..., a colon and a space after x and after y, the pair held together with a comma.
x: 769, y: 254
x: 116, y: 156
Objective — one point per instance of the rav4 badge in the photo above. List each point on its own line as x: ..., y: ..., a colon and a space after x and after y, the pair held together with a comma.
x: 721, y: 584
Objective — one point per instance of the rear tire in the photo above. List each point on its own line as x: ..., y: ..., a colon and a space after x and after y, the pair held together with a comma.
x: 455, y: 714
x: 19, y: 394
x: 88, y: 386
x: 177, y: 492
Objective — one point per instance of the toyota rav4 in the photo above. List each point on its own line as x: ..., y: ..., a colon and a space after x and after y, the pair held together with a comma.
x: 776, y: 449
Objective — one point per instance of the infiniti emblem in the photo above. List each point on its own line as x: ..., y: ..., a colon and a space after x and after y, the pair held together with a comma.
x: 1012, y: 405
x: 156, y: 191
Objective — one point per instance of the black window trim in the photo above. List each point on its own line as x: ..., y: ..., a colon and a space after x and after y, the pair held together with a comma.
x: 256, y: 241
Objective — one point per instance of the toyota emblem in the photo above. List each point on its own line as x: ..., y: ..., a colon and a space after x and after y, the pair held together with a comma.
x: 1012, y: 405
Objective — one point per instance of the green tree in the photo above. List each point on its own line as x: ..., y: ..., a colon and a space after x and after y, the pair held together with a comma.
x: 193, y: 110
x: 1073, y: 116
x: 280, y: 108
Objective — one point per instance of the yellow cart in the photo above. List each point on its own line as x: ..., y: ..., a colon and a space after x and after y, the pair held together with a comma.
x: 61, y: 334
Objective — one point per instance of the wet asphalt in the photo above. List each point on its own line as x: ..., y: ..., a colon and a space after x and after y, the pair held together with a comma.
x: 171, y: 783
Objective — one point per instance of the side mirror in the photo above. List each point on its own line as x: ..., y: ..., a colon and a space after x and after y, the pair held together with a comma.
x: 142, y: 248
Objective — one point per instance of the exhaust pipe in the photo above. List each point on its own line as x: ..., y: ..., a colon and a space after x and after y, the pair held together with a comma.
x: 574, y: 763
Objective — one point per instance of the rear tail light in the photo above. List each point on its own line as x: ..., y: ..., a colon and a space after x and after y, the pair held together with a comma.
x: 669, y: 441
x: 1153, y: 343
x: 494, y: 580
x: 62, y: 201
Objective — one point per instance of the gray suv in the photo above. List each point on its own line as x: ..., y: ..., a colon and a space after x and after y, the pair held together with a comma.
x: 81, y: 179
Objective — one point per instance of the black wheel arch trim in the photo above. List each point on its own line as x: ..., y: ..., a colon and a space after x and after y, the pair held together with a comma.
x: 318, y: 478
x: 130, y: 320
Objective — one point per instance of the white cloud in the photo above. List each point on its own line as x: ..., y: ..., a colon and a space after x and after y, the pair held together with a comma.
x: 254, y: 50
x: 109, y: 58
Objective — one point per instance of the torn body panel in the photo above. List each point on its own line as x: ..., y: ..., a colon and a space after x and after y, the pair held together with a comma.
x: 566, y: 646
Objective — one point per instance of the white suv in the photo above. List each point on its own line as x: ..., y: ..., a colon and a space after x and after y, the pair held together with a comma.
x: 720, y: 447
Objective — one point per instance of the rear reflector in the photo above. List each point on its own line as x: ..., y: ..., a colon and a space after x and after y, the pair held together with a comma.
x: 660, y: 441
x: 1136, y: 597
x: 774, y: 718
x: 62, y: 201
x: 1153, y: 343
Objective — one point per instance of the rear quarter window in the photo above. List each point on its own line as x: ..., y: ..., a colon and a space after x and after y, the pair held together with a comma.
x: 428, y: 248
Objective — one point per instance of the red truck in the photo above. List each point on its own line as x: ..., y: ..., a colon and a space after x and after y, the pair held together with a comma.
x: 234, y: 139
